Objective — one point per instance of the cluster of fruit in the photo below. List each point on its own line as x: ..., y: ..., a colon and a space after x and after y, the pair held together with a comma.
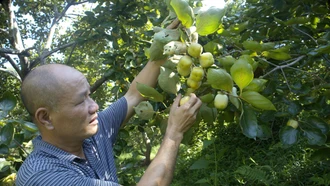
x: 195, y: 72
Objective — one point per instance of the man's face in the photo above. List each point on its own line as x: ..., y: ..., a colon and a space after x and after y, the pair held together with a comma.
x: 74, y: 117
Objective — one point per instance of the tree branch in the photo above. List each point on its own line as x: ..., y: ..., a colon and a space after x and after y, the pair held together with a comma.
x: 13, y: 64
x: 16, y: 52
x: 100, y: 81
x: 14, y: 29
x: 45, y: 54
x: 283, y: 66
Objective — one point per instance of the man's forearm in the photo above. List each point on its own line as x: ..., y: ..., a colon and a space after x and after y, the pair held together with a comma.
x: 160, y: 171
x: 148, y: 75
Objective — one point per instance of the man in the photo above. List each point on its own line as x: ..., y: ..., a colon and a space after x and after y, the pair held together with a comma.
x: 75, y: 142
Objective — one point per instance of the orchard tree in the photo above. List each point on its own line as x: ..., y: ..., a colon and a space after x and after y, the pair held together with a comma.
x: 260, y: 65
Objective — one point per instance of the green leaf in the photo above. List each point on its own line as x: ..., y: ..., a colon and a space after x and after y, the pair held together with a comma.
x: 233, y: 97
x: 169, y: 81
x: 315, y: 136
x: 257, y: 100
x: 321, y: 154
x: 289, y: 135
x: 7, y: 134
x: 156, y: 51
x: 184, y: 12
x: 208, y: 21
x: 17, y: 140
x: 165, y: 35
x: 4, y: 150
x: 208, y: 114
x: 207, y: 143
x: 31, y: 127
x: 149, y: 92
x: 252, y: 45
x: 200, y: 164
x: 144, y: 110
x: 249, y: 122
x: 264, y: 132
x: 7, y: 103
x: 219, y: 79
x: 242, y: 73
x: 257, y: 85
x: 203, y: 180
x: 319, y: 123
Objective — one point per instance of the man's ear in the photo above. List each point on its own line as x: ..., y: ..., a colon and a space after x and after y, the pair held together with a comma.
x: 43, y: 118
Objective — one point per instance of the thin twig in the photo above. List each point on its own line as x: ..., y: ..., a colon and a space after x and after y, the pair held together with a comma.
x: 20, y: 146
x: 286, y: 79
x: 306, y: 35
x: 284, y: 66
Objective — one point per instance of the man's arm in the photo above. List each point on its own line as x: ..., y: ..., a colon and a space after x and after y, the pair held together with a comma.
x: 160, y: 171
x: 148, y: 76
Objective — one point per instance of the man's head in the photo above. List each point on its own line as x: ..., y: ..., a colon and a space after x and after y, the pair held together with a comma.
x: 57, y: 96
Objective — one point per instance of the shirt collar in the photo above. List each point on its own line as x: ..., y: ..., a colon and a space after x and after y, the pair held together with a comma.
x: 42, y: 146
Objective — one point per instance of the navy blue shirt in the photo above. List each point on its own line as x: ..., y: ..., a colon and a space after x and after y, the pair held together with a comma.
x: 48, y: 165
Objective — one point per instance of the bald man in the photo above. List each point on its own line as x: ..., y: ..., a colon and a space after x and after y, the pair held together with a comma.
x: 75, y: 142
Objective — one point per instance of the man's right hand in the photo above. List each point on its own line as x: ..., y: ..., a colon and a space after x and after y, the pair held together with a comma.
x: 182, y: 117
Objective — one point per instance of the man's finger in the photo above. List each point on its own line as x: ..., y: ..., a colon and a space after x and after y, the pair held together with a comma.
x: 177, y: 100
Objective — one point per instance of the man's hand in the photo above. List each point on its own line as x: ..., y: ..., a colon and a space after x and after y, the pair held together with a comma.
x: 160, y: 171
x: 182, y: 117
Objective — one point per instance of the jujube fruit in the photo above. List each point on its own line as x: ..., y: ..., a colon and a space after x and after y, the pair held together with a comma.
x: 184, y: 100
x: 221, y: 101
x: 206, y: 59
x: 195, y: 49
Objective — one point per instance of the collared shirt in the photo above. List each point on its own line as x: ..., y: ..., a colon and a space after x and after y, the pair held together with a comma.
x: 48, y: 165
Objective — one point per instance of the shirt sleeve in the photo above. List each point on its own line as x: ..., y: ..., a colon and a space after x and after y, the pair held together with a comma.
x: 52, y: 177
x: 112, y: 117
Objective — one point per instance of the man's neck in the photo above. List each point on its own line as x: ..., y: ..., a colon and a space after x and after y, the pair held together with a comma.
x: 75, y: 148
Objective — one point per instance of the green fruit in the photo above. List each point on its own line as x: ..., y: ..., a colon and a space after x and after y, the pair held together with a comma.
x: 193, y: 84
x: 221, y: 101
x: 185, y: 62
x: 184, y: 65
x: 206, y: 59
x: 197, y: 74
x: 195, y: 50
x: 144, y: 110
x: 293, y: 123
x: 183, y: 72
x: 184, y: 100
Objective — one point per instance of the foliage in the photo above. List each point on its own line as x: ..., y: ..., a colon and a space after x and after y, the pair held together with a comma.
x: 286, y: 77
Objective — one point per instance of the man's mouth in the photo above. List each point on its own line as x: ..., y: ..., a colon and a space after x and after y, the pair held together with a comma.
x: 93, y: 120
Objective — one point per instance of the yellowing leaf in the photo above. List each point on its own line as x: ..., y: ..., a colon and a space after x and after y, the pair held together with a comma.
x: 242, y: 73
x: 257, y: 100
x: 144, y: 110
x: 149, y: 92
x: 219, y: 79
x: 169, y: 81
x: 208, y: 21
